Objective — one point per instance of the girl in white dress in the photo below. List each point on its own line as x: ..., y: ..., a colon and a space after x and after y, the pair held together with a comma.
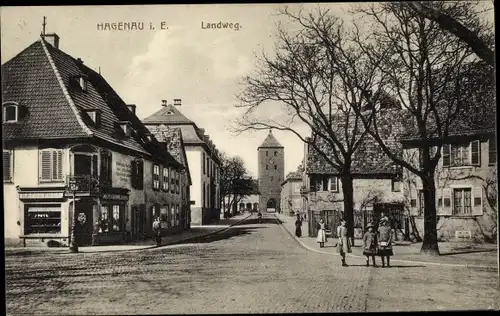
x: 321, y: 239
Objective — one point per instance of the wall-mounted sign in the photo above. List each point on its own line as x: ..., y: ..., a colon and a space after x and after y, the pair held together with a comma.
x: 115, y: 197
x: 124, y: 172
x: 40, y: 195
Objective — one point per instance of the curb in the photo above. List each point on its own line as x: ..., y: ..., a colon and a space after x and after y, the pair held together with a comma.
x: 163, y: 245
x: 392, y: 260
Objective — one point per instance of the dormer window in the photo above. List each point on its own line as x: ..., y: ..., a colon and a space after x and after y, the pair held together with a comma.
x: 95, y: 116
x: 10, y: 112
x: 126, y: 127
x: 80, y: 82
x: 170, y: 113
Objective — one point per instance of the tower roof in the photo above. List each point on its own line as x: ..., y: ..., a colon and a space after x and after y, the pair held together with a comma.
x: 270, y: 141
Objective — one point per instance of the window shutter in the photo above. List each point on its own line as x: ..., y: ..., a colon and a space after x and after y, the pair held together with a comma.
x: 7, y: 168
x: 45, y: 165
x: 133, y: 176
x: 417, y: 202
x: 109, y: 174
x: 140, y: 173
x: 94, y: 166
x: 57, y: 165
x: 475, y: 147
x: 439, y: 207
x: 477, y: 201
x: 420, y: 158
x: 492, y: 150
x: 447, y: 202
x: 446, y: 155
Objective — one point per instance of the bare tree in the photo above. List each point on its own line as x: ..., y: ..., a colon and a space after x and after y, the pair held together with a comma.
x: 426, y: 70
x: 302, y: 78
x: 447, y: 21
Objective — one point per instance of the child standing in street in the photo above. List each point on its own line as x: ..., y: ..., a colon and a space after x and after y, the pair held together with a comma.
x: 370, y: 244
x: 321, y: 239
x: 343, y: 245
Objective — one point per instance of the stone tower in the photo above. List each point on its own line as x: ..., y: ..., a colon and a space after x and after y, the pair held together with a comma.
x: 271, y: 173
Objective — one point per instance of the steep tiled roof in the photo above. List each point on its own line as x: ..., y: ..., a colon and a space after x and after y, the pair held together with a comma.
x: 368, y: 159
x: 42, y: 78
x: 29, y: 80
x: 270, y: 142
x: 168, y: 114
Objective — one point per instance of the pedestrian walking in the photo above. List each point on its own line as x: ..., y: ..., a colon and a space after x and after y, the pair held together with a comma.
x: 157, y: 231
x: 321, y: 239
x: 298, y: 226
x: 370, y: 244
x: 343, y: 245
x: 385, y: 241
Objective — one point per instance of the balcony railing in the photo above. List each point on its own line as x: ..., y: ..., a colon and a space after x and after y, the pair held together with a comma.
x: 84, y: 183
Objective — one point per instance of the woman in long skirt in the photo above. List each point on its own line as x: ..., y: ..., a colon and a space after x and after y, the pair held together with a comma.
x: 343, y: 245
x: 298, y: 227
x: 321, y: 239
x: 385, y: 241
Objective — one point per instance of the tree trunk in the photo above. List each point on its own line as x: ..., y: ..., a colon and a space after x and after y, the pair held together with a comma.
x: 348, y: 192
x: 430, y: 242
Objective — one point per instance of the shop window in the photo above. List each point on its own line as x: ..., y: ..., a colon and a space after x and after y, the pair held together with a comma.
x: 117, y: 218
x: 172, y: 216
x: 104, y: 221
x: 42, y: 219
x: 177, y: 215
x: 164, y: 213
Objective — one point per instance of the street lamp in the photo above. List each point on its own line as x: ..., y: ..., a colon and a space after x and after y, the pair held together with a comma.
x: 73, y: 187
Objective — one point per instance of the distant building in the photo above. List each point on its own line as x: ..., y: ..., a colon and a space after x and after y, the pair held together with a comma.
x: 203, y: 160
x: 271, y: 170
x: 65, y: 128
x: 291, y: 199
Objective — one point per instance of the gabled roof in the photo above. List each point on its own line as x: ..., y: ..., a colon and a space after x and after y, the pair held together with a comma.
x: 270, y: 142
x: 168, y: 114
x: 42, y: 78
x: 172, y: 139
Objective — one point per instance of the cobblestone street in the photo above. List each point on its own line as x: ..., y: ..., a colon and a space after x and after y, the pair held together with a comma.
x: 249, y: 268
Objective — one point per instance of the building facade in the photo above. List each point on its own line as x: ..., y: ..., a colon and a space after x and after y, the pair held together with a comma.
x: 203, y: 160
x: 377, y: 189
x: 466, y: 182
x: 72, y: 146
x: 271, y: 170
x: 291, y: 199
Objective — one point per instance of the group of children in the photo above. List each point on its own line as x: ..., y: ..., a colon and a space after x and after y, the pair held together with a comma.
x: 375, y: 243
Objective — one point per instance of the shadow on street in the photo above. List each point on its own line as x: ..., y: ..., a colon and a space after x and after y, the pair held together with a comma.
x: 235, y: 231
x: 255, y: 221
x: 466, y: 251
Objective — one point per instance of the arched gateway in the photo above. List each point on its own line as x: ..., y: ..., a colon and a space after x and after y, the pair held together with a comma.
x: 271, y: 205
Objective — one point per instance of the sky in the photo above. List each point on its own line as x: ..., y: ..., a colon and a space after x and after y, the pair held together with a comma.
x: 203, y: 67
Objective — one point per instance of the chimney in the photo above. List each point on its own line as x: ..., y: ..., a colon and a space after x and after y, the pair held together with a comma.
x: 177, y: 102
x: 202, y: 131
x: 131, y: 107
x: 79, y: 61
x: 163, y: 102
x: 52, y: 39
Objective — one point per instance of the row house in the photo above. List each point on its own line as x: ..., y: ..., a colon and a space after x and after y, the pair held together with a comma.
x: 466, y: 179
x: 377, y: 189
x: 203, y: 160
x: 291, y: 199
x: 172, y: 181
x: 74, y: 151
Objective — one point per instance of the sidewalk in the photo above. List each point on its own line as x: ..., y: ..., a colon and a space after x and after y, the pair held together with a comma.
x: 196, y: 232
x: 452, y: 253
